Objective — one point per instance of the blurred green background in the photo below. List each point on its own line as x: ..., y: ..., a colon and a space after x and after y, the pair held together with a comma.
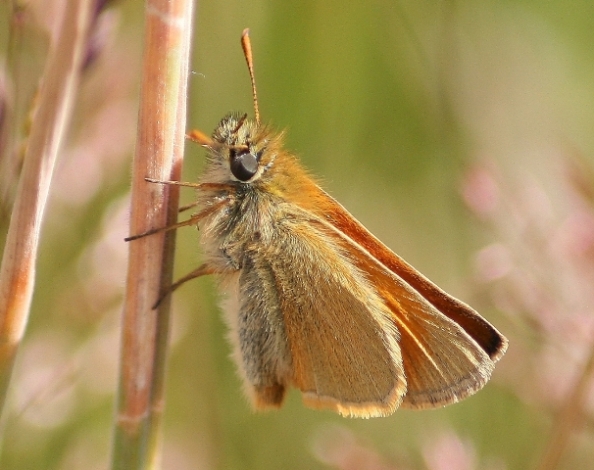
x: 405, y: 110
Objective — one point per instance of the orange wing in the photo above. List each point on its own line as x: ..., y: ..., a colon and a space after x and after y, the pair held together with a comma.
x: 448, y: 349
x: 342, y: 343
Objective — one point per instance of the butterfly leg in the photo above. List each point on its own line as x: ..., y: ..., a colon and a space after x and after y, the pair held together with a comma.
x: 202, y: 270
x: 188, y: 206
x: 191, y: 221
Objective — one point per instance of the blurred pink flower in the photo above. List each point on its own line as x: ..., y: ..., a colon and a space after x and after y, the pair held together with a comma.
x: 338, y: 447
x: 448, y: 452
x: 540, y: 269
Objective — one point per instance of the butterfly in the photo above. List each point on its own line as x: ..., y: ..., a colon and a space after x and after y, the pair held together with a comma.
x: 314, y: 300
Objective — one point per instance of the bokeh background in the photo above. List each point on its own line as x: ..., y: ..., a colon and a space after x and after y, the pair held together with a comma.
x: 459, y: 132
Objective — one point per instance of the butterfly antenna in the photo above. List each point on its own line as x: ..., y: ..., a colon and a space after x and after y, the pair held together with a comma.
x: 247, y: 52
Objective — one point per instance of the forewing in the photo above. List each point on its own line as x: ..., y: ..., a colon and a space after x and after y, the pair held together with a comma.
x: 343, y: 345
x: 442, y: 362
x: 448, y: 349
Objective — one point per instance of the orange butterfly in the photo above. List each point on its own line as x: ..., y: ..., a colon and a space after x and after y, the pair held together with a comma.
x: 317, y: 302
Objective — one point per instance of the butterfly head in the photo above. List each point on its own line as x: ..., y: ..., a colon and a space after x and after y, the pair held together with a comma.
x: 241, y: 149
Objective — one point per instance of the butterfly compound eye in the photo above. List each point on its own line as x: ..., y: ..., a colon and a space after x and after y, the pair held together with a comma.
x: 244, y: 165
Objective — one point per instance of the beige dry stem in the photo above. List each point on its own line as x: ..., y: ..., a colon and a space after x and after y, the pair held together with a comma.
x: 158, y: 154
x: 56, y: 95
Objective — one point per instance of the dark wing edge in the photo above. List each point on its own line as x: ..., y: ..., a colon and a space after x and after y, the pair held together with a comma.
x: 449, y: 351
x: 485, y: 334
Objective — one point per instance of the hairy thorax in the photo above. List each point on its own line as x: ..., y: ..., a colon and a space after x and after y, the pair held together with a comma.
x: 248, y: 218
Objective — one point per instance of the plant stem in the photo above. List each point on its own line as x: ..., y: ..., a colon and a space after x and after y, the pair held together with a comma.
x: 158, y: 154
x: 56, y: 96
